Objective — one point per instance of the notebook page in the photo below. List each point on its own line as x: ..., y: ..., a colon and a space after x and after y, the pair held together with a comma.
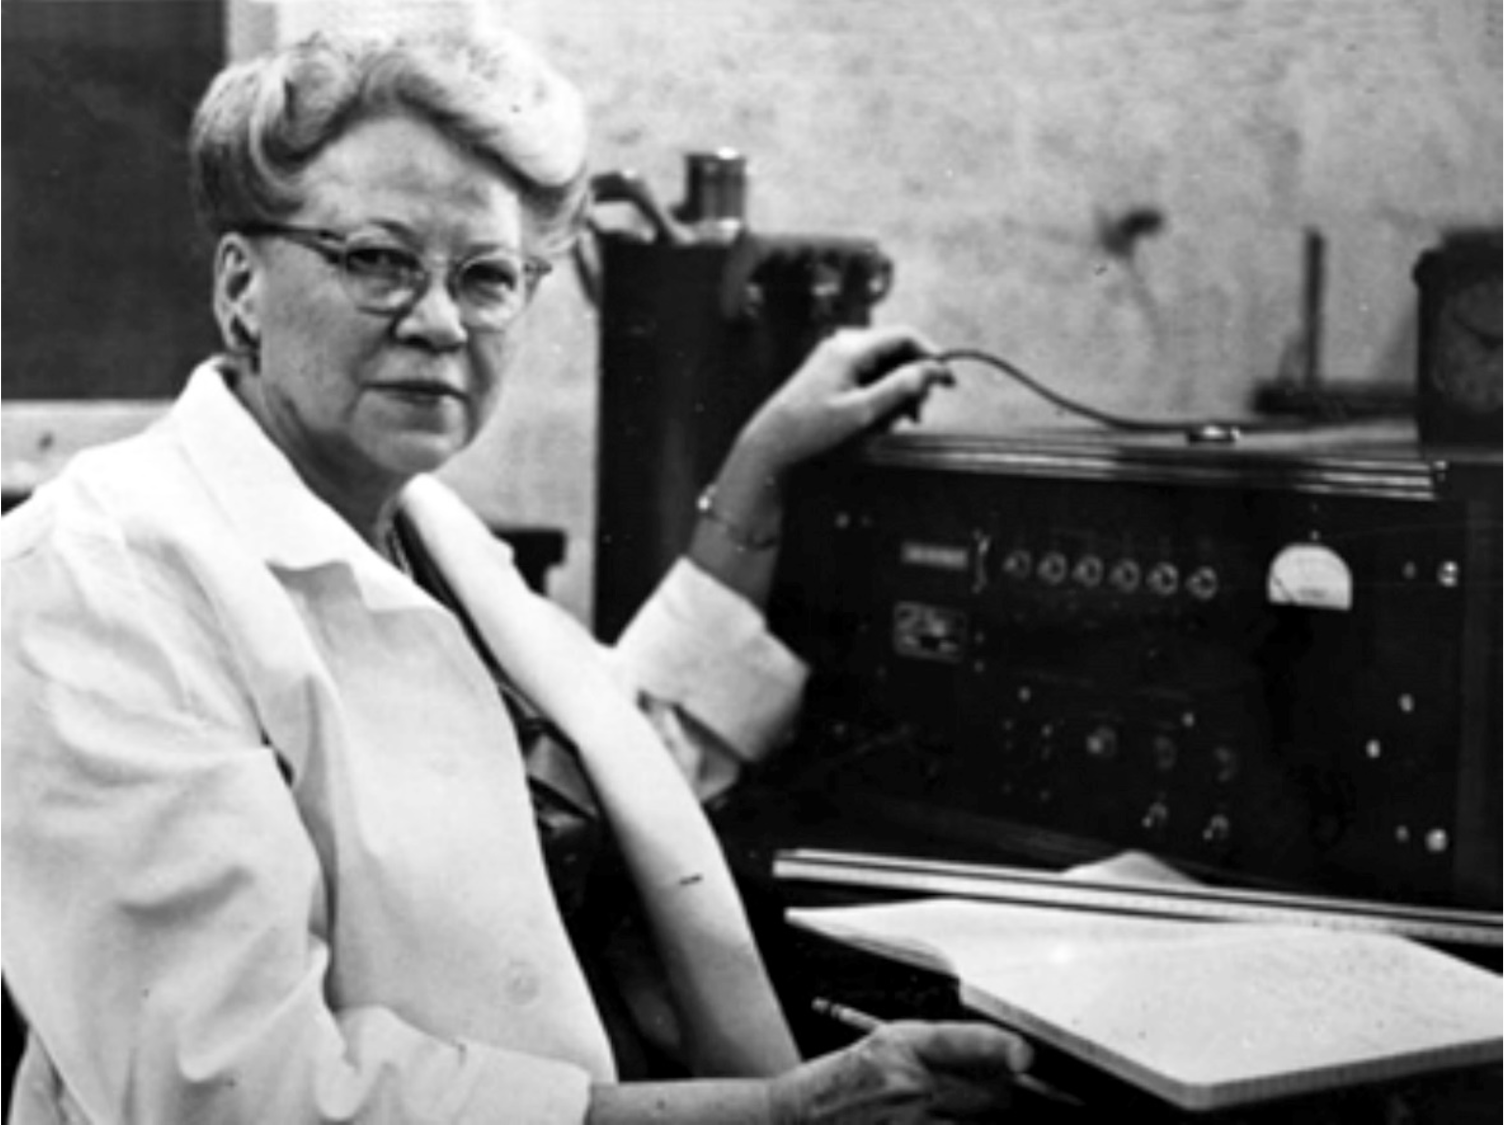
x: 1203, y: 1014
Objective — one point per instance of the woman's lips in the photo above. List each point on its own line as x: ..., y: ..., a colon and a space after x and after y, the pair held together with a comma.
x: 422, y: 392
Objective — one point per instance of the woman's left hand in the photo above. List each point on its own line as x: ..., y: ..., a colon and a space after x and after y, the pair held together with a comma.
x: 856, y: 380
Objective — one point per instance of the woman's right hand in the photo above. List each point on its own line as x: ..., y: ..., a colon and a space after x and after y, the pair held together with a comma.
x: 906, y: 1073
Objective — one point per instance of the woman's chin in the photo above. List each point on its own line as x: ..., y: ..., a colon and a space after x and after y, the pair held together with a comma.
x: 415, y: 453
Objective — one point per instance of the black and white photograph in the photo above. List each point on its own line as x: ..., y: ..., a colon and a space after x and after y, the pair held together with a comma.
x: 747, y: 562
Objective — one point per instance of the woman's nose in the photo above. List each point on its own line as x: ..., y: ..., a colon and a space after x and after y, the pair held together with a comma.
x: 434, y: 317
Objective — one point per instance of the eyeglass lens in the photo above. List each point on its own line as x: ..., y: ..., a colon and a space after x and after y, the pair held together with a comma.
x: 490, y: 289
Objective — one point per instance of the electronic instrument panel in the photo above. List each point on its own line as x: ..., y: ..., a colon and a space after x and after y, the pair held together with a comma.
x: 1276, y: 661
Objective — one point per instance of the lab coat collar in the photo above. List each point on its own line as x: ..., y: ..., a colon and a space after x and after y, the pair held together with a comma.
x: 266, y: 500
x: 704, y: 939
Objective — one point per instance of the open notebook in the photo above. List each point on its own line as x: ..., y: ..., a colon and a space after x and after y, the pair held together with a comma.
x: 1205, y: 1015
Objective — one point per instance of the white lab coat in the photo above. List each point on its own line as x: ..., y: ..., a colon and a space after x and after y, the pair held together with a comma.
x: 268, y: 848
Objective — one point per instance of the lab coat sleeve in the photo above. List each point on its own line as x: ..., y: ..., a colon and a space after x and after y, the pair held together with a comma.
x: 721, y: 688
x: 165, y: 910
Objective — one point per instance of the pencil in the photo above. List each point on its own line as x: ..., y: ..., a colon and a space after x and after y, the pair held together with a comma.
x: 857, y: 1021
x: 866, y: 1024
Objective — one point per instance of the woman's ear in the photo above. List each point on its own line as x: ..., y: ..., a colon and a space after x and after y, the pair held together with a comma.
x: 237, y: 293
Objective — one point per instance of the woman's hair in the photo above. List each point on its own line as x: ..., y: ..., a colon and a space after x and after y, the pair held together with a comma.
x: 264, y: 121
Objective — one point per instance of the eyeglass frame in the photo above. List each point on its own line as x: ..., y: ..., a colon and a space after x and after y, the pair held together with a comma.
x: 335, y: 248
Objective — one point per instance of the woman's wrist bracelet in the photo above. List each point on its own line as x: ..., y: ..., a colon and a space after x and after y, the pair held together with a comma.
x: 738, y: 536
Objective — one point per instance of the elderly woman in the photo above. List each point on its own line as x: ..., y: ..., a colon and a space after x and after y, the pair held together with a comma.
x: 270, y: 852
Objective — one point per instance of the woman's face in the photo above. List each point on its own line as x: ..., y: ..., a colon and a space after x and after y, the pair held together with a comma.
x: 359, y: 401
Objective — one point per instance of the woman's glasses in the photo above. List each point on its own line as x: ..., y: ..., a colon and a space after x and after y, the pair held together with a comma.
x: 490, y: 288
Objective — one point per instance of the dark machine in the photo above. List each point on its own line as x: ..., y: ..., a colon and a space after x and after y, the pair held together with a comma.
x: 701, y: 318
x: 1271, y: 660
x: 1275, y: 663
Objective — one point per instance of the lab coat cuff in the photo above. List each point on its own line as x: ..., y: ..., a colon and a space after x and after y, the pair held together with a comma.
x: 703, y: 647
